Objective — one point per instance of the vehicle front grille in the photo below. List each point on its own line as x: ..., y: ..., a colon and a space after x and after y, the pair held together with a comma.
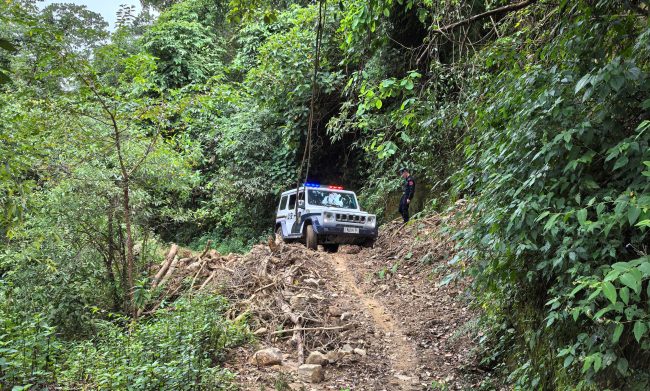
x: 350, y: 218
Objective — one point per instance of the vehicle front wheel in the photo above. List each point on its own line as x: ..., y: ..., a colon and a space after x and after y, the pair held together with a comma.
x: 311, y: 238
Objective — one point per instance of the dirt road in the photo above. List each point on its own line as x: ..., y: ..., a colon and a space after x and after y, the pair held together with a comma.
x: 364, y: 319
x: 380, y: 315
x: 401, y: 353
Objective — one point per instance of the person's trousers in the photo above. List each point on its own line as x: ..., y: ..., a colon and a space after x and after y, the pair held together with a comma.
x: 404, y: 208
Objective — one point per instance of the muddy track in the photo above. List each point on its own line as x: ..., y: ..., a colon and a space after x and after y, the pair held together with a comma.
x: 403, y: 357
x: 380, y: 316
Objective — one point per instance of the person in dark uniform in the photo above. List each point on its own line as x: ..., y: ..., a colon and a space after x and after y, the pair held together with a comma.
x: 409, y: 192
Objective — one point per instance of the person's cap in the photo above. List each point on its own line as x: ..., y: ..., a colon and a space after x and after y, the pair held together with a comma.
x: 401, y: 170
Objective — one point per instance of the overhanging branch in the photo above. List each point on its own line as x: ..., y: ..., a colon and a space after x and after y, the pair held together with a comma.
x: 488, y: 14
x: 496, y: 11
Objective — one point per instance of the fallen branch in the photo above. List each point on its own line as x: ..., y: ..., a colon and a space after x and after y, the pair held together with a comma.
x: 344, y: 327
x: 162, y: 300
x: 222, y: 268
x: 197, y: 274
x: 208, y: 280
x: 164, y: 266
x: 265, y: 286
x: 207, y: 248
x: 170, y: 271
x: 297, y: 336
x: 496, y: 11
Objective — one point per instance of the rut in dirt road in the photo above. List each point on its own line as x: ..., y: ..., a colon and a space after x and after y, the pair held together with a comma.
x: 403, y: 359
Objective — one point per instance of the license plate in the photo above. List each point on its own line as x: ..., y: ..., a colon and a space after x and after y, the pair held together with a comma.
x: 351, y: 230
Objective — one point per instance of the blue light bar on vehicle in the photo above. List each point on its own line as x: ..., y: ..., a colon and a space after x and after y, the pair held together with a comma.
x: 314, y: 184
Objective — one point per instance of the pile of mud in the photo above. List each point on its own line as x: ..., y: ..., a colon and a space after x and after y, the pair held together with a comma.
x: 281, y: 288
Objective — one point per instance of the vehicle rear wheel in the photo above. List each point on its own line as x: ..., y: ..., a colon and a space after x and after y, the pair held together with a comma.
x: 311, y: 238
x: 278, y: 236
x: 331, y: 248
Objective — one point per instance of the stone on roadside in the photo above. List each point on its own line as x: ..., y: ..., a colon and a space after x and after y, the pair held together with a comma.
x: 346, y: 316
x: 346, y: 349
x: 333, y: 356
x: 266, y: 357
x: 317, y: 358
x: 335, y: 311
x: 311, y: 373
x: 360, y: 352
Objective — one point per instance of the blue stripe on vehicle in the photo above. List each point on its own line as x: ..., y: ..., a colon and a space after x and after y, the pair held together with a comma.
x: 304, y: 217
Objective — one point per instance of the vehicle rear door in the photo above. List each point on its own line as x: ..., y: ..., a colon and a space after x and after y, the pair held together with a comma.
x: 293, y: 214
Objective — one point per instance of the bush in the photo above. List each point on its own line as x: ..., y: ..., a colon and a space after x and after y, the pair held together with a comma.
x: 179, y: 348
x: 560, y: 243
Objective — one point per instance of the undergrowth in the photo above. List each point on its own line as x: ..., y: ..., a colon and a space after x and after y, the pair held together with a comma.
x: 179, y: 348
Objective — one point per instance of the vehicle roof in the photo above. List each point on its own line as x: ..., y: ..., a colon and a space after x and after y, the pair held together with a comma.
x: 318, y: 188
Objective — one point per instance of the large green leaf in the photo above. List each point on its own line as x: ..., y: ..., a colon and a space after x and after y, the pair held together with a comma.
x: 618, y: 331
x: 609, y: 291
x: 632, y: 279
x: 639, y: 330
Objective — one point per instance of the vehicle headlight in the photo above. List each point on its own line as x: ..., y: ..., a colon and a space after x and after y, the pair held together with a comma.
x: 371, y: 221
x: 328, y: 217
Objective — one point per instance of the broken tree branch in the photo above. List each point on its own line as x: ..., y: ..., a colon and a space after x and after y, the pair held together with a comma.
x: 344, y: 327
x: 165, y: 265
x: 170, y: 271
x: 496, y: 11
x: 208, y: 280
x: 208, y: 245
x: 297, y: 336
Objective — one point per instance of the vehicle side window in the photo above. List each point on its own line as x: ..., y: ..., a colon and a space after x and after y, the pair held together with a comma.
x: 283, y: 203
x: 292, y: 200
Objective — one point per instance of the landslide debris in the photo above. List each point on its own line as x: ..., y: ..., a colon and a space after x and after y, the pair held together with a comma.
x: 364, y: 319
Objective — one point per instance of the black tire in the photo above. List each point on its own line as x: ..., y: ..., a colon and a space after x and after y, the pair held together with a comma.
x: 331, y: 248
x: 311, y: 240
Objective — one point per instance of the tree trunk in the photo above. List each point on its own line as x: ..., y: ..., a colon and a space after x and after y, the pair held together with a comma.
x: 129, y: 242
x: 110, y: 257
x: 122, y: 252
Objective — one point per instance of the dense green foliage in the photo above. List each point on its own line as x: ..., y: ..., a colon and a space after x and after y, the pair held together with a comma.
x: 178, y: 349
x: 560, y: 242
x: 186, y: 127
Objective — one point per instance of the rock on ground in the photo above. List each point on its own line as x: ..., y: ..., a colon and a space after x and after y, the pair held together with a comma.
x: 317, y: 358
x: 266, y: 357
x: 311, y: 373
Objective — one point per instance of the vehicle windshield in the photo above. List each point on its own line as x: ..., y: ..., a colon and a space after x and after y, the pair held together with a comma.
x: 332, y: 198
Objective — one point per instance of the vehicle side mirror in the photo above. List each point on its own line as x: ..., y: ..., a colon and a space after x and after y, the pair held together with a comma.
x: 301, y: 204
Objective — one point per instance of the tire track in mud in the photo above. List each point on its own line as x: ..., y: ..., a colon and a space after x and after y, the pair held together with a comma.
x: 404, y: 362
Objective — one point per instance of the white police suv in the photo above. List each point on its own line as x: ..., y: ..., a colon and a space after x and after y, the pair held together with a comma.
x: 326, y: 215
